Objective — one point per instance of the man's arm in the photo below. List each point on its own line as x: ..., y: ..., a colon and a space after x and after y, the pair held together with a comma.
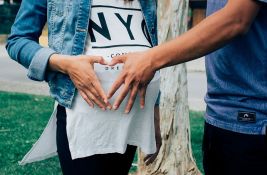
x: 212, y: 33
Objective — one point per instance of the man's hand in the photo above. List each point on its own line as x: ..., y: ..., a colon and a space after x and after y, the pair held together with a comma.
x: 137, y: 72
x: 81, y: 71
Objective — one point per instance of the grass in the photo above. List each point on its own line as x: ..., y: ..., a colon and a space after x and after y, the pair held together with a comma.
x: 22, y: 119
x: 196, y: 124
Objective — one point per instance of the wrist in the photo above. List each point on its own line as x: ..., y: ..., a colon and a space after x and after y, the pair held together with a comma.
x: 60, y: 63
x: 155, y: 60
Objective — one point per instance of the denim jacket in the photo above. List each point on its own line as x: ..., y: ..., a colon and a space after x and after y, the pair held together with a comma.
x: 67, y: 22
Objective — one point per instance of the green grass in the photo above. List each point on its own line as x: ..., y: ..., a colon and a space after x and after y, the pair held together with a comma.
x: 196, y: 123
x: 22, y: 119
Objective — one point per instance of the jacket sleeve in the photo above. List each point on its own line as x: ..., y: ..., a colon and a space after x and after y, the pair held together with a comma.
x: 23, y: 42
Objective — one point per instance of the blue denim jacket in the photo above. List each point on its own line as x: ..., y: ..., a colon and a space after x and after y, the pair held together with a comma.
x: 68, y: 22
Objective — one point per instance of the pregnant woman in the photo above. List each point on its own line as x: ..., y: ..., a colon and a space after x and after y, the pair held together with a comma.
x: 84, y: 36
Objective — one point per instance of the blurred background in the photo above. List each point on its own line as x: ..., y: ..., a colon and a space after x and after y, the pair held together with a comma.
x: 22, y: 121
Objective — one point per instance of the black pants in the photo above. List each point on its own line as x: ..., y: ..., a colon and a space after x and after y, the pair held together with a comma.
x: 104, y: 164
x: 230, y: 153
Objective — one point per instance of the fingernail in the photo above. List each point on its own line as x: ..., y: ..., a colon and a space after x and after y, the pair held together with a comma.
x: 109, y: 107
x: 126, y: 111
x: 142, y: 106
x: 115, y: 107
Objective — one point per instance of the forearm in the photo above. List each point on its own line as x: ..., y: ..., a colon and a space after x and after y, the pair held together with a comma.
x: 212, y: 33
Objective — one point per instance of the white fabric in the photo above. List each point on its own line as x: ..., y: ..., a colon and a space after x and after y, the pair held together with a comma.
x: 46, y: 146
x: 93, y: 131
x: 110, y: 131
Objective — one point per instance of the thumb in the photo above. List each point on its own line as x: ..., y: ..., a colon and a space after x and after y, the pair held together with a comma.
x: 98, y: 59
x: 117, y: 59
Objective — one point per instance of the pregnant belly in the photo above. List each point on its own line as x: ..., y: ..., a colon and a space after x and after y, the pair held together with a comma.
x: 106, y: 80
x: 107, y: 76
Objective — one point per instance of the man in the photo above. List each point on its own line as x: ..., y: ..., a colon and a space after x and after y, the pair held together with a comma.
x: 235, y: 139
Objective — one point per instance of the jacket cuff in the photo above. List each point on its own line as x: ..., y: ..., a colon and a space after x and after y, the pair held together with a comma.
x: 38, y: 65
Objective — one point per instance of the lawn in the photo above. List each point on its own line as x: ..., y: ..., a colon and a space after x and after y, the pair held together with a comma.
x: 22, y: 119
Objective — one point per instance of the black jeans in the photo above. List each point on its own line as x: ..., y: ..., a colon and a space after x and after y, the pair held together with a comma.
x: 104, y: 164
x: 230, y: 153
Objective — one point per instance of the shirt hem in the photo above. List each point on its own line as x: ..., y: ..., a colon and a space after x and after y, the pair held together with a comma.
x: 108, y: 150
x: 257, y: 130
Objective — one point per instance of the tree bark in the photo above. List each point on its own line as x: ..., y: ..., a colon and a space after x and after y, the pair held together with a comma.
x: 175, y: 157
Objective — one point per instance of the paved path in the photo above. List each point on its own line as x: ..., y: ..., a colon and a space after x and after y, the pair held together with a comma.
x: 13, y: 79
x: 197, y: 88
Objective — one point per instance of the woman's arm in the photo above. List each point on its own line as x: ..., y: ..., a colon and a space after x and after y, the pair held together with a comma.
x: 23, y: 42
x: 23, y: 47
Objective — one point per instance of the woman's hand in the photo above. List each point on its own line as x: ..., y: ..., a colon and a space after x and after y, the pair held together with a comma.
x: 151, y: 158
x: 81, y: 71
x: 136, y: 74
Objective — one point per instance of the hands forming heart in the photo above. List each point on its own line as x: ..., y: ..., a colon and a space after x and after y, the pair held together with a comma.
x: 137, y: 72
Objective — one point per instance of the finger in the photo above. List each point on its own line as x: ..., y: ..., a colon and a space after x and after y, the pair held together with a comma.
x: 99, y: 59
x: 99, y: 89
x: 103, y: 100
x: 117, y: 59
x: 116, y: 85
x: 95, y: 100
x: 84, y: 96
x: 143, y: 96
x: 109, y: 106
x: 92, y: 89
x: 121, y: 96
x: 132, y: 98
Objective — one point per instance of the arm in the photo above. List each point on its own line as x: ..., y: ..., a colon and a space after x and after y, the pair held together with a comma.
x: 231, y: 21
x: 23, y: 47
x: 22, y: 44
x: 139, y: 68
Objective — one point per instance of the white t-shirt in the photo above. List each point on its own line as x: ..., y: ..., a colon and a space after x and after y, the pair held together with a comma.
x: 116, y: 28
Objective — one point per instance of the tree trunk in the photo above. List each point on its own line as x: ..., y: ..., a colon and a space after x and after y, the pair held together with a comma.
x: 175, y: 157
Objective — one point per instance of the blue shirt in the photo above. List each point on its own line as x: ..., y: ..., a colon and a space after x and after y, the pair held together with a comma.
x: 237, y: 78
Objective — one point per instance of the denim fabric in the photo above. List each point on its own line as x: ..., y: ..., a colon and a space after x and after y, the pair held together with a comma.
x: 68, y: 22
x: 237, y: 78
